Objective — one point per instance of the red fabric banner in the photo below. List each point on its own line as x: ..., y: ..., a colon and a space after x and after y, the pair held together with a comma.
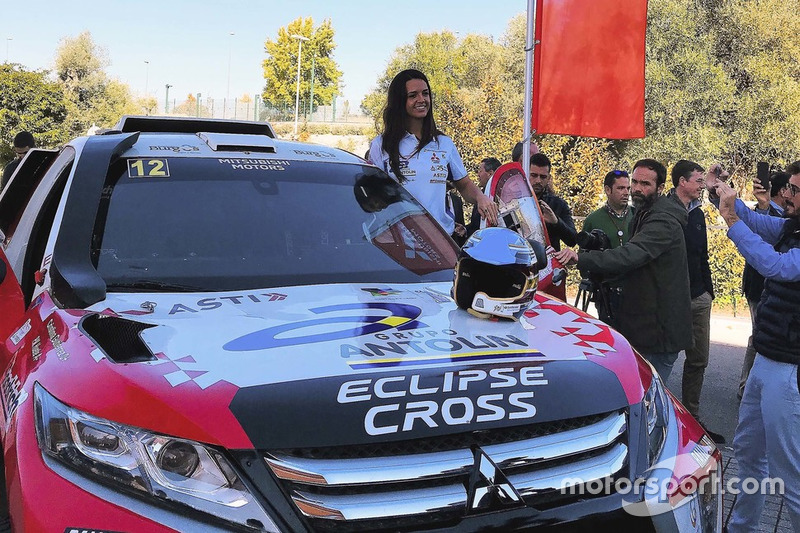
x: 589, y: 68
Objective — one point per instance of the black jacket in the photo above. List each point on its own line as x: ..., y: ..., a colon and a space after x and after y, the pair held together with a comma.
x: 777, y: 331
x: 564, y: 230
x: 654, y: 312
x: 696, y: 238
x: 8, y: 171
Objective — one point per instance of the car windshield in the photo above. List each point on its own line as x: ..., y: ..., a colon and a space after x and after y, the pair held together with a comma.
x: 233, y: 224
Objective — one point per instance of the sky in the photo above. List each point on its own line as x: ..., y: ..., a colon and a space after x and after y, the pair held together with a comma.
x: 189, y: 44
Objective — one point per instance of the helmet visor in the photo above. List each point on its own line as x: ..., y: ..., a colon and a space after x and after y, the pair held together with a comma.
x: 504, y: 282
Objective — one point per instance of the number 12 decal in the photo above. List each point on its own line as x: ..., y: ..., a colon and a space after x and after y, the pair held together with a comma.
x: 148, y: 168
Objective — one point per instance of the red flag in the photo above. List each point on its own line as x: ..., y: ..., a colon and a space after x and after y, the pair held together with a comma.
x: 589, y: 68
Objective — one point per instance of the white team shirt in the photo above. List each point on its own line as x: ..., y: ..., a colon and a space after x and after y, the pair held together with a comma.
x: 426, y: 172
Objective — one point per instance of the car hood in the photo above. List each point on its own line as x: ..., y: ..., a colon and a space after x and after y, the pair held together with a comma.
x: 342, y: 364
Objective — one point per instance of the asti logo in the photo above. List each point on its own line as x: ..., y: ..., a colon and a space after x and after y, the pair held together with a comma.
x: 374, y: 317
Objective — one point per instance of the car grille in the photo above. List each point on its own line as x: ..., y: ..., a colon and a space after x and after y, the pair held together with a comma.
x: 426, y: 482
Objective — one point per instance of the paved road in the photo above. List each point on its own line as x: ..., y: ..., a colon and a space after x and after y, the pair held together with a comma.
x: 719, y: 406
x: 718, y: 403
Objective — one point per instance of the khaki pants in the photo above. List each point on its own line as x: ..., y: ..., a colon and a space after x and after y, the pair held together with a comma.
x: 750, y: 352
x: 694, y: 367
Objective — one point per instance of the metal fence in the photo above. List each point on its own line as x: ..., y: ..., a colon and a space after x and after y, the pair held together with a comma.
x: 249, y: 107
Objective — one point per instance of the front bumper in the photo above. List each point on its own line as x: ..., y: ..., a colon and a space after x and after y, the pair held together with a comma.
x: 44, y: 495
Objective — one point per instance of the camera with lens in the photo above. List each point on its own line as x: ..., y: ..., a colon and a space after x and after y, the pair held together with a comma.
x: 593, y: 287
x: 594, y: 240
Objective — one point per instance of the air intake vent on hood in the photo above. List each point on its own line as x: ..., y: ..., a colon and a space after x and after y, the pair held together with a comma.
x: 118, y: 338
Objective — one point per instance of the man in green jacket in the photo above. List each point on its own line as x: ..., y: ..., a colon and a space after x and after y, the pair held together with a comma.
x: 654, y: 311
x: 615, y: 217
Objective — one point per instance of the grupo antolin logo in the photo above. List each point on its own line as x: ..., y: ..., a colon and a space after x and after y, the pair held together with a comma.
x: 658, y: 491
x: 373, y: 317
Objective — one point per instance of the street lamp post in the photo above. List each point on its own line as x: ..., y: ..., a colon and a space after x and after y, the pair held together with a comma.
x: 166, y: 99
x: 230, y: 53
x: 198, y: 104
x: 300, y: 40
x: 8, y: 40
x: 146, y: 77
x: 311, y: 99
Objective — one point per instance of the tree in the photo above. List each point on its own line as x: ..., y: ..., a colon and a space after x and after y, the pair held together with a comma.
x: 91, y: 97
x: 189, y: 107
x: 759, y: 52
x: 30, y: 101
x: 280, y: 67
x: 688, y: 93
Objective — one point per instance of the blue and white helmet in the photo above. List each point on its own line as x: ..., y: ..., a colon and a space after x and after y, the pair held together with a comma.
x: 496, y: 274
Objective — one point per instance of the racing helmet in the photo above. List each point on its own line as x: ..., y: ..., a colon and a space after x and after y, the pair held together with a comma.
x: 496, y: 274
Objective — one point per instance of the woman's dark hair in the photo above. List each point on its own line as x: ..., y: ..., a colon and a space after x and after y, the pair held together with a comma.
x: 395, y: 117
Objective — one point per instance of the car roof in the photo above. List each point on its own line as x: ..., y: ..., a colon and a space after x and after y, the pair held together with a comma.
x: 203, y: 138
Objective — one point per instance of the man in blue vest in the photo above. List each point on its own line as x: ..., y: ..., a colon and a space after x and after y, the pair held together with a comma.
x: 767, y: 440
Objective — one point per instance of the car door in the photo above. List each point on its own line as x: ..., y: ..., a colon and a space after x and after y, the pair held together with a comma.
x: 27, y: 210
x: 12, y: 305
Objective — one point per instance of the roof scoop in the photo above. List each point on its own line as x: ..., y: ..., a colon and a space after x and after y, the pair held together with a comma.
x: 234, y: 142
x: 118, y: 338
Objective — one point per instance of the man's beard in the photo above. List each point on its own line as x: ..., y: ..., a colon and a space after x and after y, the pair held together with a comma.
x: 789, y: 210
x: 643, y: 202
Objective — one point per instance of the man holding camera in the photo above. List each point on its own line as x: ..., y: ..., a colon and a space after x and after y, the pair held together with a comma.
x: 689, y: 182
x: 767, y: 440
x: 654, y: 311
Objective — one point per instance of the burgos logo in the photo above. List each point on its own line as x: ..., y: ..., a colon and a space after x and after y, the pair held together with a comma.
x: 374, y: 317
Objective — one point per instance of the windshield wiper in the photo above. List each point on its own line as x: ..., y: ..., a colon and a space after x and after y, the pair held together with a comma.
x: 153, y: 286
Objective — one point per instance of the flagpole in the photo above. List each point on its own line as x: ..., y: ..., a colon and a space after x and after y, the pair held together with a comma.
x: 528, y: 109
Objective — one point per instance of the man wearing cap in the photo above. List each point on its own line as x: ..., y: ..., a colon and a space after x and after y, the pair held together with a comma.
x: 23, y: 141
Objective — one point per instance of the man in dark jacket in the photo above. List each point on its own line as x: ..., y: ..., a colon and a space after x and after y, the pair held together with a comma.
x: 555, y: 211
x: 23, y: 141
x: 767, y: 439
x: 770, y: 202
x: 654, y: 312
x: 688, y: 179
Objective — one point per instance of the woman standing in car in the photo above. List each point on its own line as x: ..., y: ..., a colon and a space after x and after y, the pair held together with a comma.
x: 421, y: 157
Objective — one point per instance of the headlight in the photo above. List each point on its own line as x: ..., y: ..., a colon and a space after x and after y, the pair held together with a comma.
x: 156, y: 466
x: 655, y: 403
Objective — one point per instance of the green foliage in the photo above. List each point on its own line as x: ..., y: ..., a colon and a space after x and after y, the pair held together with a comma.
x: 688, y: 93
x: 280, y: 67
x: 760, y: 52
x: 91, y: 97
x: 29, y: 101
x: 726, y: 262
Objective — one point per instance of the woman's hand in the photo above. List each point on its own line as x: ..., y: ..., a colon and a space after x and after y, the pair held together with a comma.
x: 487, y: 209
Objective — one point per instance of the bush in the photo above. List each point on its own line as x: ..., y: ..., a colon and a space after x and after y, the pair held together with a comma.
x: 726, y: 263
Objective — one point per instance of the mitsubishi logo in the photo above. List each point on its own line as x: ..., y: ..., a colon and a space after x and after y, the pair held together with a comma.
x: 488, y: 485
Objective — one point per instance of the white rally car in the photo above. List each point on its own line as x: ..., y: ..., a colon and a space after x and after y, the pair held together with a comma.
x: 206, y: 328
